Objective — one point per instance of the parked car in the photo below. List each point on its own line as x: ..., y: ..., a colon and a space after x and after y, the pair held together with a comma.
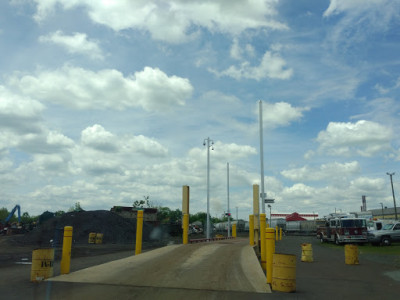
x: 388, y: 234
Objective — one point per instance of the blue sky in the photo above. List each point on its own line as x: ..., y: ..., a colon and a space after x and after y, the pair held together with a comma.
x: 105, y: 103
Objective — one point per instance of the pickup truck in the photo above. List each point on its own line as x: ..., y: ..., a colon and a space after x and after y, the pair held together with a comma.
x: 388, y: 234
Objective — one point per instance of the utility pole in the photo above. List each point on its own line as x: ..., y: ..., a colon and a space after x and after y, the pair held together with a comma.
x: 394, y: 199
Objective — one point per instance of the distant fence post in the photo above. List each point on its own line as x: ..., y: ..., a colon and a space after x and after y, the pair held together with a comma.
x: 66, y: 250
x: 139, y: 232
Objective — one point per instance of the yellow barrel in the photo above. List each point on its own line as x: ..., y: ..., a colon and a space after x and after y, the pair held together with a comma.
x: 306, y: 253
x: 284, y: 273
x: 42, y: 264
x: 99, y: 238
x: 92, y: 237
x: 351, y: 254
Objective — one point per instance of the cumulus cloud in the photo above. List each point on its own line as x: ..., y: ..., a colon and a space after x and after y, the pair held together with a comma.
x: 18, y: 114
x: 150, y: 89
x: 174, y: 21
x: 77, y: 43
x: 364, y: 138
x: 272, y: 65
x: 98, y: 138
x: 101, y: 152
x: 326, y: 171
x: 281, y: 114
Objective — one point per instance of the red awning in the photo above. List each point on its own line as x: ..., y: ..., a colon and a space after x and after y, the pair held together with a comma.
x: 294, y: 217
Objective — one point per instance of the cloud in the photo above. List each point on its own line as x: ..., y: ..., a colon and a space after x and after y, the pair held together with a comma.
x: 281, y: 114
x: 18, y: 114
x: 98, y: 138
x: 364, y: 138
x: 150, y: 89
x: 101, y: 152
x: 77, y: 43
x: 359, y: 19
x: 272, y: 65
x: 174, y: 21
x: 331, y: 171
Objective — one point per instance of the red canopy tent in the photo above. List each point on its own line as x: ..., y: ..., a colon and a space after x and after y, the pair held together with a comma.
x: 294, y: 217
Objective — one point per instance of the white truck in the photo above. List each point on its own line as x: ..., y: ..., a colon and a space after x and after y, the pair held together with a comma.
x: 388, y: 234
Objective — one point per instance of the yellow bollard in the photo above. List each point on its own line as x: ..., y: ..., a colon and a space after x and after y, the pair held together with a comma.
x: 262, y: 239
x: 185, y: 237
x: 270, y: 250
x: 42, y: 264
x: 276, y: 233
x: 251, y: 230
x: 280, y: 234
x: 306, y: 253
x: 267, y: 226
x: 66, y: 250
x: 284, y: 273
x: 351, y: 254
x: 139, y: 232
x: 234, y: 230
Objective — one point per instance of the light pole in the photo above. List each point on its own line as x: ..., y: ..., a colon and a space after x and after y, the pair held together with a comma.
x: 394, y: 199
x: 263, y: 196
x: 383, y: 216
x: 209, y: 143
x: 229, y: 212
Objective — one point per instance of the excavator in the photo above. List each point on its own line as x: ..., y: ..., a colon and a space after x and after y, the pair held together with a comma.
x: 6, y: 227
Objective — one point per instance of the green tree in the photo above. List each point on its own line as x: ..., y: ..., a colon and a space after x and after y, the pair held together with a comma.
x: 59, y: 213
x: 76, y: 208
x: 166, y: 215
x: 200, y: 216
x: 3, y: 213
x: 145, y: 203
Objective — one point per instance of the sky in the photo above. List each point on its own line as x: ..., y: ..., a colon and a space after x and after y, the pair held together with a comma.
x: 106, y: 102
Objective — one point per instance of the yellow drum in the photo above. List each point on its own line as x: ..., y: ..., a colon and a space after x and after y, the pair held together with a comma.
x: 42, y: 264
x: 306, y: 253
x: 284, y: 273
x: 99, y: 238
x: 92, y: 238
x: 351, y: 254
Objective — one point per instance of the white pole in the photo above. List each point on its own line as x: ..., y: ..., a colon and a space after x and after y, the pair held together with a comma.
x: 229, y: 217
x: 262, y: 158
x: 208, y: 182
x: 208, y: 188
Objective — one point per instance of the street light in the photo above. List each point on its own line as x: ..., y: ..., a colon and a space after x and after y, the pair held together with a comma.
x: 394, y: 199
x: 269, y: 206
x: 383, y: 216
x: 209, y: 143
